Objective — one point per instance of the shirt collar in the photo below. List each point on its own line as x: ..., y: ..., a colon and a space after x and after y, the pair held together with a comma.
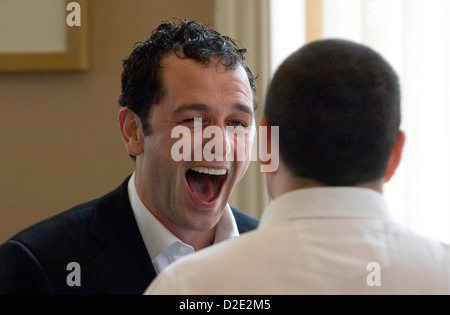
x: 326, y: 202
x: 157, y: 237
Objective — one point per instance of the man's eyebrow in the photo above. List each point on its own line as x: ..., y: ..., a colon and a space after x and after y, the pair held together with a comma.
x: 245, y: 109
x: 205, y: 108
x: 190, y: 107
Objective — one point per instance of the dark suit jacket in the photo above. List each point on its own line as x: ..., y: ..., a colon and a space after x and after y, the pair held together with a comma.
x: 101, y: 236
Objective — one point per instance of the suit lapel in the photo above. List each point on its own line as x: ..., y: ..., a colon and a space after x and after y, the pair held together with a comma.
x: 123, y: 265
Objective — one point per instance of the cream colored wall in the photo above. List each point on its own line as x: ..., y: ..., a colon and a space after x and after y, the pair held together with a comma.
x: 59, y: 141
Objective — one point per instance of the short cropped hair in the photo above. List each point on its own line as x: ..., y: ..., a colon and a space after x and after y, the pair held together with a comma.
x: 141, y: 76
x: 337, y: 105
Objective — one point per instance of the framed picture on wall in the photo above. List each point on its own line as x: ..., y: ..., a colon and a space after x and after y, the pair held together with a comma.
x: 44, y: 35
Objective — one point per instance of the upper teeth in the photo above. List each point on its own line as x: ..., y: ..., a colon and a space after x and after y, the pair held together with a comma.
x: 209, y: 171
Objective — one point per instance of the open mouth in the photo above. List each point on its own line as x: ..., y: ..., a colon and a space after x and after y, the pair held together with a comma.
x: 205, y: 183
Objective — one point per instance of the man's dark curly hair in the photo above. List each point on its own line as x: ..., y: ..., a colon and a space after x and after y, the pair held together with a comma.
x: 338, y: 107
x: 141, y: 76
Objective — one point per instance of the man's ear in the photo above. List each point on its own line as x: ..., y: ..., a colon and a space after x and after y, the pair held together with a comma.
x: 131, y: 131
x: 396, y: 156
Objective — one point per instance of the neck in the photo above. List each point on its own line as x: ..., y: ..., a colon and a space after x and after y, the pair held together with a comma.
x: 197, y: 239
x: 282, y: 181
x: 200, y: 240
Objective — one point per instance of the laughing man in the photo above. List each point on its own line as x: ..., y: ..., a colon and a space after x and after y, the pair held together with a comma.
x: 166, y: 209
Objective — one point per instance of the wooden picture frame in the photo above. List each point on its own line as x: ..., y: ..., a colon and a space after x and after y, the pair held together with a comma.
x: 314, y: 17
x: 74, y: 57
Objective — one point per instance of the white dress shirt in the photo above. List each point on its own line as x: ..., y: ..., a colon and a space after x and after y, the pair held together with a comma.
x: 163, y: 247
x: 317, y: 241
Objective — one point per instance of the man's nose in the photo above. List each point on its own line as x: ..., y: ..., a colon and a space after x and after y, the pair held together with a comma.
x: 218, y: 141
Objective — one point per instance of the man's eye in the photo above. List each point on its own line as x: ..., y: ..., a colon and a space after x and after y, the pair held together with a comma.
x: 237, y: 123
x: 192, y: 122
x: 188, y: 121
